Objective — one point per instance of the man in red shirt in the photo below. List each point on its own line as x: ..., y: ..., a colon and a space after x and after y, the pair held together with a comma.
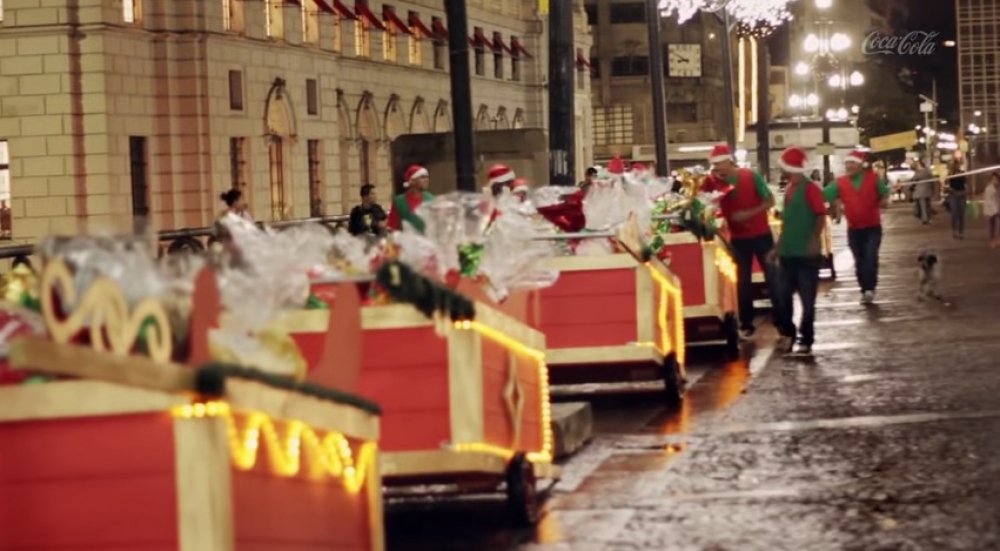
x: 404, y: 206
x: 862, y: 195
x: 745, y: 207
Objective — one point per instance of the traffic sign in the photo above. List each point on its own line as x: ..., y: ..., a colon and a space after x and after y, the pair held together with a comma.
x: 899, y: 140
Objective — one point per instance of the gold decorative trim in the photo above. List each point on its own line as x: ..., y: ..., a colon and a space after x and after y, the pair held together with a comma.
x: 589, y: 263
x: 103, y: 311
x: 603, y: 355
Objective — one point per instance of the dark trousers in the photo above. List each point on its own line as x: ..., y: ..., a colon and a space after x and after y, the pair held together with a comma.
x: 865, y: 244
x: 798, y: 276
x: 745, y: 251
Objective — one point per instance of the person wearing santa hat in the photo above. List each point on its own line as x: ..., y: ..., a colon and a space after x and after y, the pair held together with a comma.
x: 499, y: 178
x: 862, y: 195
x: 520, y: 189
x: 745, y: 208
x: 798, y: 252
x: 404, y: 206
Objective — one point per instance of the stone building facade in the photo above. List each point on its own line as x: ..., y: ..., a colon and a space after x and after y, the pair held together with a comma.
x: 697, y: 109
x: 117, y: 109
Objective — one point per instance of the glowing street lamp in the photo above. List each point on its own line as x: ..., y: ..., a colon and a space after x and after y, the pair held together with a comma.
x: 857, y: 79
x: 797, y: 102
x: 802, y: 68
x: 824, y: 4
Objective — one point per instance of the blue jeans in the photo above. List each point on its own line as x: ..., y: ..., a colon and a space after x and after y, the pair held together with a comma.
x: 798, y: 276
x: 744, y: 251
x: 865, y: 244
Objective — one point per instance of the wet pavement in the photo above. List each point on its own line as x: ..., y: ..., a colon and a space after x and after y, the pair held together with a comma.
x: 889, y: 439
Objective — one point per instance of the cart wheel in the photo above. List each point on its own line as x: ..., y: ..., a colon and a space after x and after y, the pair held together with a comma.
x: 522, y: 492
x: 731, y: 330
x: 673, y: 382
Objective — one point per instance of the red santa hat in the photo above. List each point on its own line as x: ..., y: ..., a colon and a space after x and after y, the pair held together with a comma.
x: 855, y: 157
x: 500, y: 174
x: 793, y: 160
x: 520, y: 185
x: 414, y: 172
x: 638, y: 167
x: 616, y: 166
x: 720, y: 152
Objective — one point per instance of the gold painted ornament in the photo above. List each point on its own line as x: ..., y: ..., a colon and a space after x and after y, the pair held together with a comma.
x: 20, y: 286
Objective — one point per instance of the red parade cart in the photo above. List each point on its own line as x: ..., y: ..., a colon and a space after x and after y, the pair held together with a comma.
x: 466, y: 403
x: 615, y: 318
x: 145, y: 451
x: 707, y: 274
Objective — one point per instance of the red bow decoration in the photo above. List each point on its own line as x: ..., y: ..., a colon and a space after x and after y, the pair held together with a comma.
x: 568, y: 215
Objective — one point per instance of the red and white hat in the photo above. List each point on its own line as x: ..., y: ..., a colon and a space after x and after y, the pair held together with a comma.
x: 793, y: 160
x: 855, y: 157
x: 520, y: 185
x: 500, y: 174
x: 414, y: 172
x: 720, y: 153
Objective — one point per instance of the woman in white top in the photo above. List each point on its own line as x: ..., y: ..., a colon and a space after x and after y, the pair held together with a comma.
x: 923, y: 190
x: 991, y: 208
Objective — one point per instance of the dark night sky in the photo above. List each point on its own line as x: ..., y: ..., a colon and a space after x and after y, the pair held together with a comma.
x: 920, y: 15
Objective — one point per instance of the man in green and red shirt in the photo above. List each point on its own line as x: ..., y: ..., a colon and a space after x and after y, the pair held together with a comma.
x: 862, y: 195
x: 745, y: 207
x: 799, y: 252
x: 404, y: 206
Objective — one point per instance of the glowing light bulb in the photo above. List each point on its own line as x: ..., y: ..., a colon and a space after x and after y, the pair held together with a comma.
x: 839, y: 42
x: 857, y: 79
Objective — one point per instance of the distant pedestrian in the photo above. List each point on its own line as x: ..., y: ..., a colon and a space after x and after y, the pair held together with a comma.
x: 235, y: 204
x: 368, y: 218
x: 588, y: 178
x: 991, y: 208
x: 799, y: 252
x: 862, y: 195
x: 923, y: 191
x: 745, y: 207
x: 956, y: 199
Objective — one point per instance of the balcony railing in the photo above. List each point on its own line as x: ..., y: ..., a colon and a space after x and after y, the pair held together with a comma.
x: 187, y: 239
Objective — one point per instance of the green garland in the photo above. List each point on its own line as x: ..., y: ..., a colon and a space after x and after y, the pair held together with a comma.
x: 210, y: 381
x: 403, y: 284
x: 470, y: 257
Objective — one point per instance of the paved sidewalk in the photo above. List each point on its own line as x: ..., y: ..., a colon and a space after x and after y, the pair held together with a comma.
x: 889, y: 440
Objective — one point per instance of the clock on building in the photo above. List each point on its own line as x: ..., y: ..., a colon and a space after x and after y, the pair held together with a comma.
x: 685, y: 60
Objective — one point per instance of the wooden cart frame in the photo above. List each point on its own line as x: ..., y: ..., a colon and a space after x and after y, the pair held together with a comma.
x: 707, y: 274
x: 209, y: 452
x: 648, y: 344
x: 491, y: 429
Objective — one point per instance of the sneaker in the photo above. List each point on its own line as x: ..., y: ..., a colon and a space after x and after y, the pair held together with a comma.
x: 747, y: 334
x: 868, y: 297
x: 784, y: 345
x: 804, y: 350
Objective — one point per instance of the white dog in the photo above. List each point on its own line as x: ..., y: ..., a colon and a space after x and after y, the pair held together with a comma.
x: 928, y: 276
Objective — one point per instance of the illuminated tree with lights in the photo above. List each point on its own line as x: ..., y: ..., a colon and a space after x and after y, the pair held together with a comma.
x: 755, y: 17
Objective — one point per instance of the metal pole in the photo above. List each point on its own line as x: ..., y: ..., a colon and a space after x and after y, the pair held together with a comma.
x: 727, y: 79
x: 929, y: 154
x: 827, y: 173
x: 562, y: 111
x: 656, y: 82
x: 461, y: 95
x: 763, y: 110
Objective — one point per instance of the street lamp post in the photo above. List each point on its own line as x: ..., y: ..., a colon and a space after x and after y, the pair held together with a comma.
x: 562, y: 111
x: 824, y: 48
x: 656, y: 84
x: 461, y: 95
